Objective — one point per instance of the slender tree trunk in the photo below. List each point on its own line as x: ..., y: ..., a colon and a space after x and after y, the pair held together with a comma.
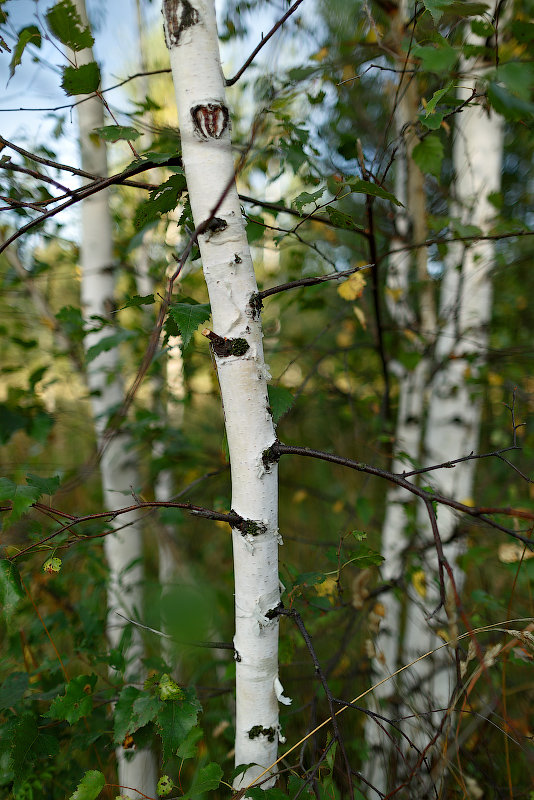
x: 118, y: 467
x: 191, y: 35
x: 453, y: 421
x: 410, y: 227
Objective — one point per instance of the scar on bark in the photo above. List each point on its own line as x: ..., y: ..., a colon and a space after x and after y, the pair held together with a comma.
x: 224, y: 347
x: 178, y: 15
x: 257, y: 730
x: 210, y: 120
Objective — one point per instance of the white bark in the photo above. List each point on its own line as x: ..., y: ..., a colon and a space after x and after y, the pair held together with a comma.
x: 191, y: 35
x: 454, y: 411
x: 118, y: 469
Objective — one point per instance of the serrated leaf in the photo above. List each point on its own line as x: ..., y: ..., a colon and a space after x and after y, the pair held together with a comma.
x: 145, y: 709
x: 139, y: 300
x: 280, y: 401
x: 77, y: 702
x: 13, y: 689
x: 11, y: 590
x: 66, y: 24
x: 114, y: 133
x: 175, y: 720
x: 29, y: 35
x: 438, y: 59
x: 435, y: 9
x: 428, y: 155
x: 124, y: 714
x: 161, y: 201
x: 305, y: 198
x: 90, y: 786
x: 188, y: 317
x: 359, y: 186
x: 207, y: 779
x: 81, y: 80
x: 188, y: 748
x: 8, y: 489
x: 45, y: 485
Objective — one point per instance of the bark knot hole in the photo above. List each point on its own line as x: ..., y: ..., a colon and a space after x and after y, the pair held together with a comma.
x: 210, y: 120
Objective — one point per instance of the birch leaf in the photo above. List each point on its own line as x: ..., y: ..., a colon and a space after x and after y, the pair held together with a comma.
x: 358, y: 186
x: 65, y: 23
x: 175, y: 720
x: 428, y: 155
x: 306, y: 198
x: 352, y: 288
x: 114, y: 133
x: 81, y: 80
x: 419, y: 582
x: 188, y: 317
x: 77, y: 702
x: 209, y: 777
x: 124, y: 714
x: 280, y: 401
x: 90, y: 786
x: 29, y: 35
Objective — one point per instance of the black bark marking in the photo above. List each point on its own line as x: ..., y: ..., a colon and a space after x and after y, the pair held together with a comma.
x: 178, y: 15
x: 258, y: 730
x: 210, y: 120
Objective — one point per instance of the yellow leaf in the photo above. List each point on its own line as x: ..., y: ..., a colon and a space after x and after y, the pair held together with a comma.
x: 419, y: 582
x: 338, y: 507
x: 442, y: 633
x: 468, y: 501
x: 352, y: 288
x: 327, y: 588
x: 510, y: 553
x: 360, y: 316
x: 321, y: 54
x: 300, y: 495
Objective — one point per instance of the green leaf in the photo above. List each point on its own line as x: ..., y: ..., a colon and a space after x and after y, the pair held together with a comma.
x: 523, y: 30
x: 188, y: 317
x: 305, y: 198
x: 518, y: 77
x: 176, y: 719
x: 77, y: 702
x: 507, y: 104
x: 13, y: 689
x: 280, y: 401
x: 11, y: 590
x: 436, y: 97
x: 433, y: 122
x: 90, y: 786
x: 435, y: 7
x: 482, y: 27
x: 145, y: 709
x: 161, y: 200
x: 124, y: 713
x: 359, y: 186
x: 440, y: 58
x: 108, y: 343
x: 21, y: 497
x: 114, y: 133
x: 207, y: 779
x: 342, y: 220
x: 24, y: 737
x: 65, y: 23
x: 45, y: 485
x: 81, y: 80
x: 138, y: 300
x: 8, y: 489
x: 428, y: 155
x: 188, y: 748
x: 29, y: 35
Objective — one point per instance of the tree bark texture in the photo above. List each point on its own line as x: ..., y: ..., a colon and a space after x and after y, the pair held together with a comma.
x: 123, y: 549
x: 191, y: 36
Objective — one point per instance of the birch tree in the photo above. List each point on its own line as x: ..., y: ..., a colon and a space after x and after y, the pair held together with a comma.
x: 124, y: 549
x: 236, y: 341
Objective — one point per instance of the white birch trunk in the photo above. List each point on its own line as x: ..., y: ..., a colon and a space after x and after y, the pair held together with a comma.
x: 191, y: 35
x: 410, y: 225
x: 454, y: 411
x: 118, y: 468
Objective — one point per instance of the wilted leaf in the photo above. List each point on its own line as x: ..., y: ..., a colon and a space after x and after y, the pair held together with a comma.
x: 353, y: 287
